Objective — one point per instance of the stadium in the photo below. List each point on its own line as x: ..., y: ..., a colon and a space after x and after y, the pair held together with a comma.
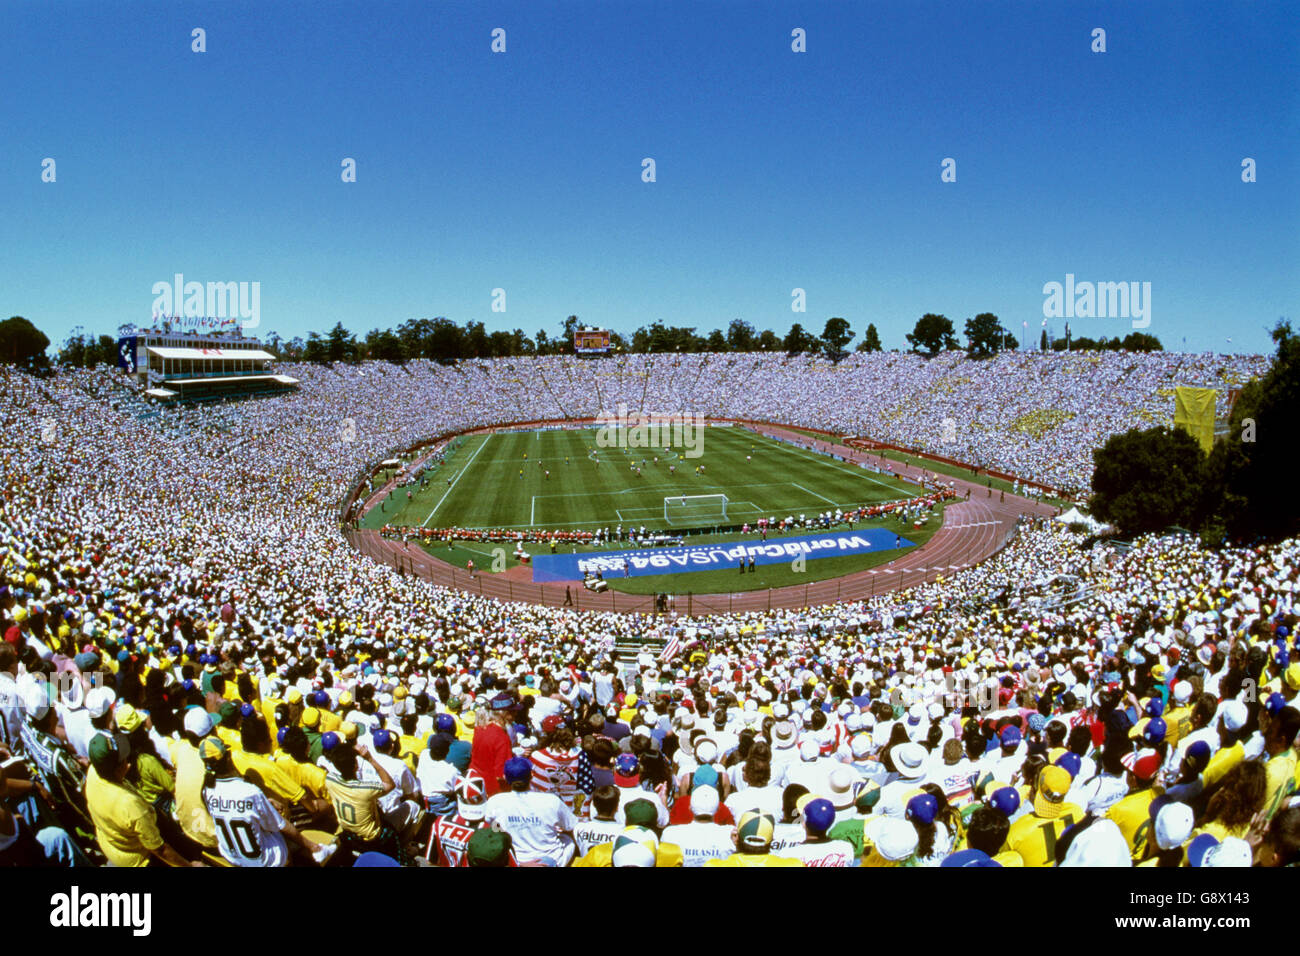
x: 249, y: 572
x: 817, y: 523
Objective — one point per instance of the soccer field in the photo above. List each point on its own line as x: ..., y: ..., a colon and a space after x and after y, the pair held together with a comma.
x: 500, y: 481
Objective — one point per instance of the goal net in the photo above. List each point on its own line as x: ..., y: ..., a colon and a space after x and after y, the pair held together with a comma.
x: 682, y: 509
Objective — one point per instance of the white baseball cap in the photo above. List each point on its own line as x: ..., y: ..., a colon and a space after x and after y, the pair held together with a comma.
x: 1174, y: 825
x: 1234, y: 715
x: 198, y: 722
x: 1182, y: 691
x: 704, y: 801
x: 894, y: 839
x: 99, y: 701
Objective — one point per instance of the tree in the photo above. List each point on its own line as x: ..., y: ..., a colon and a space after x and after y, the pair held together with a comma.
x: 1141, y: 342
x: 1248, y: 492
x: 22, y: 344
x: 1042, y: 341
x: 385, y: 345
x: 315, y: 350
x: 985, y: 333
x: 933, y: 333
x: 73, y: 352
x: 836, y: 335
x: 797, y: 340
x: 570, y: 326
x: 768, y: 341
x: 341, y: 345
x: 870, y: 339
x: 717, y: 342
x: 740, y: 336
x: 1148, y: 480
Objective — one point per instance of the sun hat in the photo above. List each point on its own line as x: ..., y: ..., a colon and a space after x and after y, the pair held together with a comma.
x: 909, y: 760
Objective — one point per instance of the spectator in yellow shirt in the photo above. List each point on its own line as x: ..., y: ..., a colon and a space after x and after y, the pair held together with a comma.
x: 125, y: 826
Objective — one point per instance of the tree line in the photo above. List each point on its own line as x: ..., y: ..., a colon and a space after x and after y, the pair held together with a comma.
x: 443, y: 340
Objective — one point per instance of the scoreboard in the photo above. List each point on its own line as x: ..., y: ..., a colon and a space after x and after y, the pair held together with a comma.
x: 591, y: 341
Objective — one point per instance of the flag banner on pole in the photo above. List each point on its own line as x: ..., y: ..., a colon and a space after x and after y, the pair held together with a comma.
x: 1194, y: 413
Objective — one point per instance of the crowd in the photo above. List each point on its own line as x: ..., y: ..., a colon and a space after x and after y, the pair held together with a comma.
x: 196, y: 669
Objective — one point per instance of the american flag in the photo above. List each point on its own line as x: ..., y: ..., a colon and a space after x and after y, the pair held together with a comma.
x: 670, y: 651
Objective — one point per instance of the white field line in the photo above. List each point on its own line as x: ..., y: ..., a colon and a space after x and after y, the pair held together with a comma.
x: 456, y: 481
x: 815, y: 495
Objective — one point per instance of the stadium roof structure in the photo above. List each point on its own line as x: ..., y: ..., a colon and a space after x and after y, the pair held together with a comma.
x: 243, y: 355
x: 278, y: 379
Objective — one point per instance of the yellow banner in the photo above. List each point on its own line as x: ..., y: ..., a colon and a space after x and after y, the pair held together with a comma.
x: 1194, y: 412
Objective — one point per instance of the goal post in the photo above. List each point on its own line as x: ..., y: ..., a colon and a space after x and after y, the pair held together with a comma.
x: 682, y: 508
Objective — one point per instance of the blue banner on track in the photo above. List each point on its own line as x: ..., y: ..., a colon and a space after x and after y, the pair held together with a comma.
x: 713, y: 557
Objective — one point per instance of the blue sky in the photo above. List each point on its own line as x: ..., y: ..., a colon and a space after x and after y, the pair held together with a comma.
x: 776, y: 170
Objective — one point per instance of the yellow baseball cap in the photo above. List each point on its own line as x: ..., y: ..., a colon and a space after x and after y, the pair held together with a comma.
x: 127, y: 717
x: 294, y: 696
x: 1053, y: 785
x: 311, y: 717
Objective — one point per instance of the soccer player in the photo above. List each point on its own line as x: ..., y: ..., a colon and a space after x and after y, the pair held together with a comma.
x: 250, y: 831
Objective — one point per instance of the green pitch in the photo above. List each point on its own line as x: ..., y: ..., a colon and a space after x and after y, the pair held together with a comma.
x: 501, y: 481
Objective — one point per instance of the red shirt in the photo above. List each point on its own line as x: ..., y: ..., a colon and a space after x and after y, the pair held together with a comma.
x: 489, y: 751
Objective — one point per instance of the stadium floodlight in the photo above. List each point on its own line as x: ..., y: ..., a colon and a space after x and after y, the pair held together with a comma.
x: 681, y: 508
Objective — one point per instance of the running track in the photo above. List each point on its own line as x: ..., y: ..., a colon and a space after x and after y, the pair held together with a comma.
x: 972, y: 532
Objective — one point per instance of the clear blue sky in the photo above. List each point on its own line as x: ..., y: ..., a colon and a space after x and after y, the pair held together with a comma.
x: 775, y: 170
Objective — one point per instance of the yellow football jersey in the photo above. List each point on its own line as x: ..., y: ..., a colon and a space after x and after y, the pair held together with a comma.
x: 1034, y: 837
x: 356, y: 804
x: 1133, y: 817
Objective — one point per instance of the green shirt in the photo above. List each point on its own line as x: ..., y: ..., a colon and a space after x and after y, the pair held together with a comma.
x: 153, y: 778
